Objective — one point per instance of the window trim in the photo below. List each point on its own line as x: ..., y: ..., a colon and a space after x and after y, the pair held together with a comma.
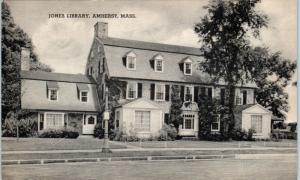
x: 261, y: 120
x: 192, y: 92
x: 164, y: 92
x: 127, y: 62
x: 45, y: 118
x: 49, y: 94
x: 127, y: 90
x: 142, y: 131
x: 219, y: 122
x: 162, y: 65
x: 87, y: 96
x: 184, y: 68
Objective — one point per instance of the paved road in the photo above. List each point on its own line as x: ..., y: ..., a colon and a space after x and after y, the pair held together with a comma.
x: 284, y: 168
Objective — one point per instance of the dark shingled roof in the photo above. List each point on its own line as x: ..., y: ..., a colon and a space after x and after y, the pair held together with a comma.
x: 115, y: 49
x: 59, y: 77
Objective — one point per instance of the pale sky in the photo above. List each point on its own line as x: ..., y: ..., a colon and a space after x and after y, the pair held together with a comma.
x: 64, y: 43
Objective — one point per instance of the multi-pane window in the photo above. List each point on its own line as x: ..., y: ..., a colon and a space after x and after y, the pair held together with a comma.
x: 84, y: 96
x: 131, y: 60
x: 54, y: 120
x: 188, y: 121
x: 158, y: 65
x: 159, y: 92
x: 131, y: 90
x: 142, y: 120
x: 53, y: 94
x: 256, y: 123
x: 238, y: 100
x: 187, y: 68
x: 91, y: 120
x: 215, y: 125
x: 188, y: 93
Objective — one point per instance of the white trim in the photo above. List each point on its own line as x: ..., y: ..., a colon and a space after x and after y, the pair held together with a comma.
x: 127, y: 90
x: 145, y: 131
x: 216, y: 130
x: 164, y: 91
x: 49, y: 95
x: 184, y: 68
x: 87, y: 96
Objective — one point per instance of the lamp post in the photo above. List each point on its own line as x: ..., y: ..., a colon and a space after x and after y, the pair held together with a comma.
x: 105, y: 147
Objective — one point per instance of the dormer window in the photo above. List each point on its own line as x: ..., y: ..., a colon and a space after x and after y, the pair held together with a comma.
x: 131, y: 61
x: 188, y: 68
x: 90, y: 71
x: 52, y: 91
x: 158, y: 63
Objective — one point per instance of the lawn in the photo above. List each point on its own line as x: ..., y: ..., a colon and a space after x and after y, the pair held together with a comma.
x: 40, y: 144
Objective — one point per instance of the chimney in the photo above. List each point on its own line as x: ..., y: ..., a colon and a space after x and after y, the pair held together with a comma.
x: 101, y: 29
x: 25, y: 59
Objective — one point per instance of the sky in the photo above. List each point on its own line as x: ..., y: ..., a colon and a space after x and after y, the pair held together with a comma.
x: 64, y: 43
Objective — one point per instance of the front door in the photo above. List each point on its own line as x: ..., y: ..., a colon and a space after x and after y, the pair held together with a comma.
x: 88, y: 124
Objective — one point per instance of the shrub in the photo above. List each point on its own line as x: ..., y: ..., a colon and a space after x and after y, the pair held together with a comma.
x: 167, y: 133
x: 27, y: 127
x: 59, y: 133
x: 216, y: 136
x: 243, y: 135
x: 99, y: 131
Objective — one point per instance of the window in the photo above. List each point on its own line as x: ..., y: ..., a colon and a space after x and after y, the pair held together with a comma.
x: 238, y: 100
x: 159, y: 92
x: 91, y: 120
x: 131, y: 62
x: 188, y: 93
x: 54, y: 120
x: 188, y: 121
x: 117, y: 123
x: 158, y: 66
x: 83, y: 96
x: 131, y: 90
x: 53, y: 94
x: 187, y: 68
x: 142, y: 120
x: 90, y: 71
x: 256, y: 123
x: 215, y: 125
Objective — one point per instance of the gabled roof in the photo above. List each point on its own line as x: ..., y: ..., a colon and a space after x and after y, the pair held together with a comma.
x: 115, y: 49
x: 240, y: 108
x: 139, y: 103
x: 248, y: 107
x: 59, y: 77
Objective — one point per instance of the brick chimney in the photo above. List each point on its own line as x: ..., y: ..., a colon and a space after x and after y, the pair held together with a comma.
x: 25, y: 59
x: 101, y: 29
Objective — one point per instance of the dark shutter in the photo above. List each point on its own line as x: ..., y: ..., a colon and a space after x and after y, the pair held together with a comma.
x: 244, y: 97
x: 202, y: 90
x: 209, y: 93
x: 182, y: 93
x: 166, y: 118
x: 223, y: 96
x: 196, y: 93
x: 125, y: 91
x: 103, y: 64
x: 152, y: 91
x: 167, y: 95
x: 140, y: 90
x: 152, y: 63
x: 124, y: 61
x: 181, y: 66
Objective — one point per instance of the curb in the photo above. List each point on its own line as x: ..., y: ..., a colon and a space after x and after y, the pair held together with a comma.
x: 150, y: 158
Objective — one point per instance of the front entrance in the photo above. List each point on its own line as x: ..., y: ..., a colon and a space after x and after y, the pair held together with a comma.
x: 88, y: 124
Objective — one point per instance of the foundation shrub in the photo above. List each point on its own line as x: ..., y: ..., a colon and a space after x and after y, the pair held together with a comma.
x: 70, y: 133
x: 167, y: 133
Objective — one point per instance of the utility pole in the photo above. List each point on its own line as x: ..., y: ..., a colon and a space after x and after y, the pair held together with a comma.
x: 105, y: 148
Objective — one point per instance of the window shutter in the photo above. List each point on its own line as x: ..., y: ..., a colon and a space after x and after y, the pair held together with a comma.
x: 222, y: 96
x: 125, y: 91
x: 202, y: 91
x: 166, y: 118
x: 181, y: 66
x: 152, y: 91
x: 140, y: 90
x: 209, y: 93
x: 196, y: 93
x: 152, y: 63
x: 244, y: 97
x: 124, y: 61
x: 182, y: 93
x: 167, y: 95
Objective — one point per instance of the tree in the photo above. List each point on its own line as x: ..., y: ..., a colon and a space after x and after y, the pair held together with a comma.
x: 225, y: 34
x: 175, y: 110
x: 13, y: 39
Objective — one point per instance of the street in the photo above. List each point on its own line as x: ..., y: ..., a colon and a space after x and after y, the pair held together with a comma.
x: 284, y: 168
